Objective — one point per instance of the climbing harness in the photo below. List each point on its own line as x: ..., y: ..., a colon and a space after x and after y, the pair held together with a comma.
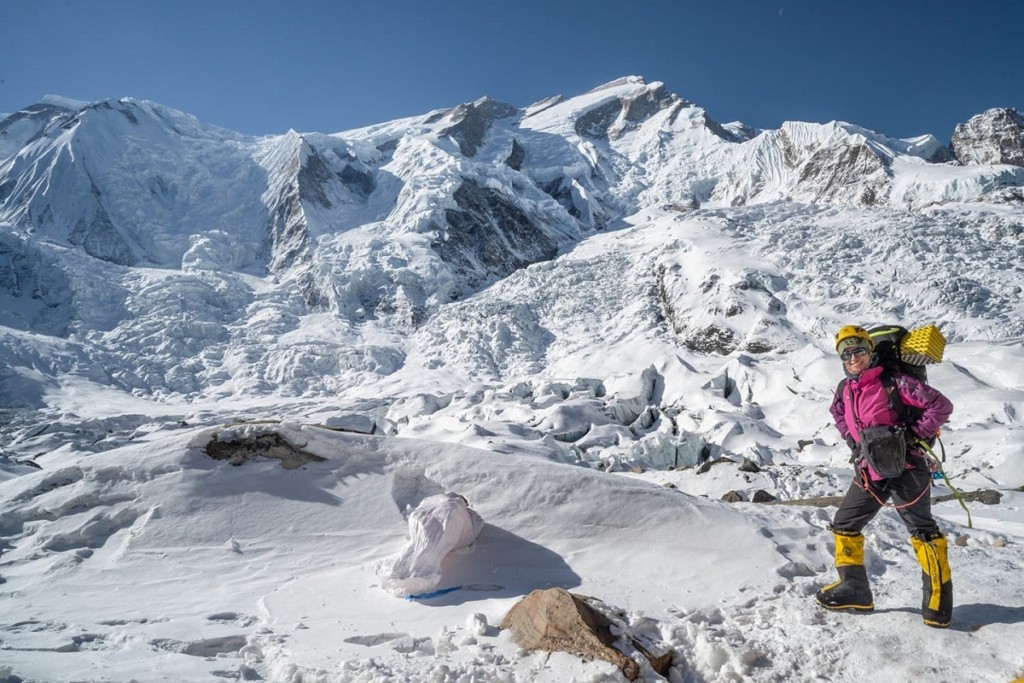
x: 932, y: 459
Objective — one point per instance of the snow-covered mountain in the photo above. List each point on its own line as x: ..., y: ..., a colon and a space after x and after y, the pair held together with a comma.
x: 613, y: 280
x: 380, y: 228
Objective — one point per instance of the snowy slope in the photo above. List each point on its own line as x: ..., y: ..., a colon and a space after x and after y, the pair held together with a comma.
x: 153, y: 561
x: 583, y: 315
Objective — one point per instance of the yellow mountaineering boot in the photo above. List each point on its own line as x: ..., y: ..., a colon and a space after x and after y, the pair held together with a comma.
x: 852, y: 590
x: 937, y: 606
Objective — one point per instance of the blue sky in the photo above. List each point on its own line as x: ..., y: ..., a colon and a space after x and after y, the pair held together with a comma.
x: 901, y: 67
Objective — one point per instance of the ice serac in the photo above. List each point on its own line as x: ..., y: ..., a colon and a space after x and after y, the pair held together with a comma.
x: 724, y: 309
x: 993, y: 137
x: 35, y: 279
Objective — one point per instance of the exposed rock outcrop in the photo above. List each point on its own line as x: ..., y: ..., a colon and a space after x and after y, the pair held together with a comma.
x: 555, y: 620
x: 993, y: 137
x: 848, y: 173
x: 472, y: 121
x: 29, y: 124
x: 516, y: 156
x: 267, y: 445
x: 618, y: 116
x: 490, y: 236
x: 100, y: 239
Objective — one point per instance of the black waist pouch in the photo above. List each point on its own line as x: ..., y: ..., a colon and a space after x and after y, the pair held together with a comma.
x: 885, y: 449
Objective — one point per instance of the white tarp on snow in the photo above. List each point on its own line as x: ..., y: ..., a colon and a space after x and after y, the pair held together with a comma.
x: 439, y: 524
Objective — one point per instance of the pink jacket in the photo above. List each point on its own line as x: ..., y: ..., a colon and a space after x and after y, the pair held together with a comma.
x: 863, y: 402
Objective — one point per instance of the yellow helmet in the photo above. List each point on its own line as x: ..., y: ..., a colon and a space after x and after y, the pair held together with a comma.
x: 854, y: 332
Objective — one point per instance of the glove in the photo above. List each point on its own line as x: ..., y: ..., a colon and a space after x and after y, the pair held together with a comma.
x: 933, y: 438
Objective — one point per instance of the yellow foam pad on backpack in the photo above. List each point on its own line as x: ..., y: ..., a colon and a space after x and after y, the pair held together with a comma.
x: 923, y: 346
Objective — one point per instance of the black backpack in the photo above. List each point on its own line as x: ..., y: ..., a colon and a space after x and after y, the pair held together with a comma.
x: 887, y: 340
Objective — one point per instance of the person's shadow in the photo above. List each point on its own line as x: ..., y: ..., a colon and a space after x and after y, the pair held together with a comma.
x: 977, y: 615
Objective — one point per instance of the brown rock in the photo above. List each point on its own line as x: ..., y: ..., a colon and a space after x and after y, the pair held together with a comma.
x: 268, y: 445
x: 555, y: 620
x: 986, y: 496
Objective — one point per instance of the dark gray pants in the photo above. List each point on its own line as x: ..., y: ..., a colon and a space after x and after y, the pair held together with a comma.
x: 859, y: 506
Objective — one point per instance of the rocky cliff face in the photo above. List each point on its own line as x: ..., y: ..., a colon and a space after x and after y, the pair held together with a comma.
x: 851, y: 172
x: 470, y: 122
x: 488, y: 236
x: 994, y: 137
x: 620, y: 115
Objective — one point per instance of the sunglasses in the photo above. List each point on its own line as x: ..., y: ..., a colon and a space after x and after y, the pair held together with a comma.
x: 853, y: 353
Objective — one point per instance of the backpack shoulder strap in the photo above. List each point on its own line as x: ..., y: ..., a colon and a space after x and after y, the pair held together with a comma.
x: 896, y: 403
